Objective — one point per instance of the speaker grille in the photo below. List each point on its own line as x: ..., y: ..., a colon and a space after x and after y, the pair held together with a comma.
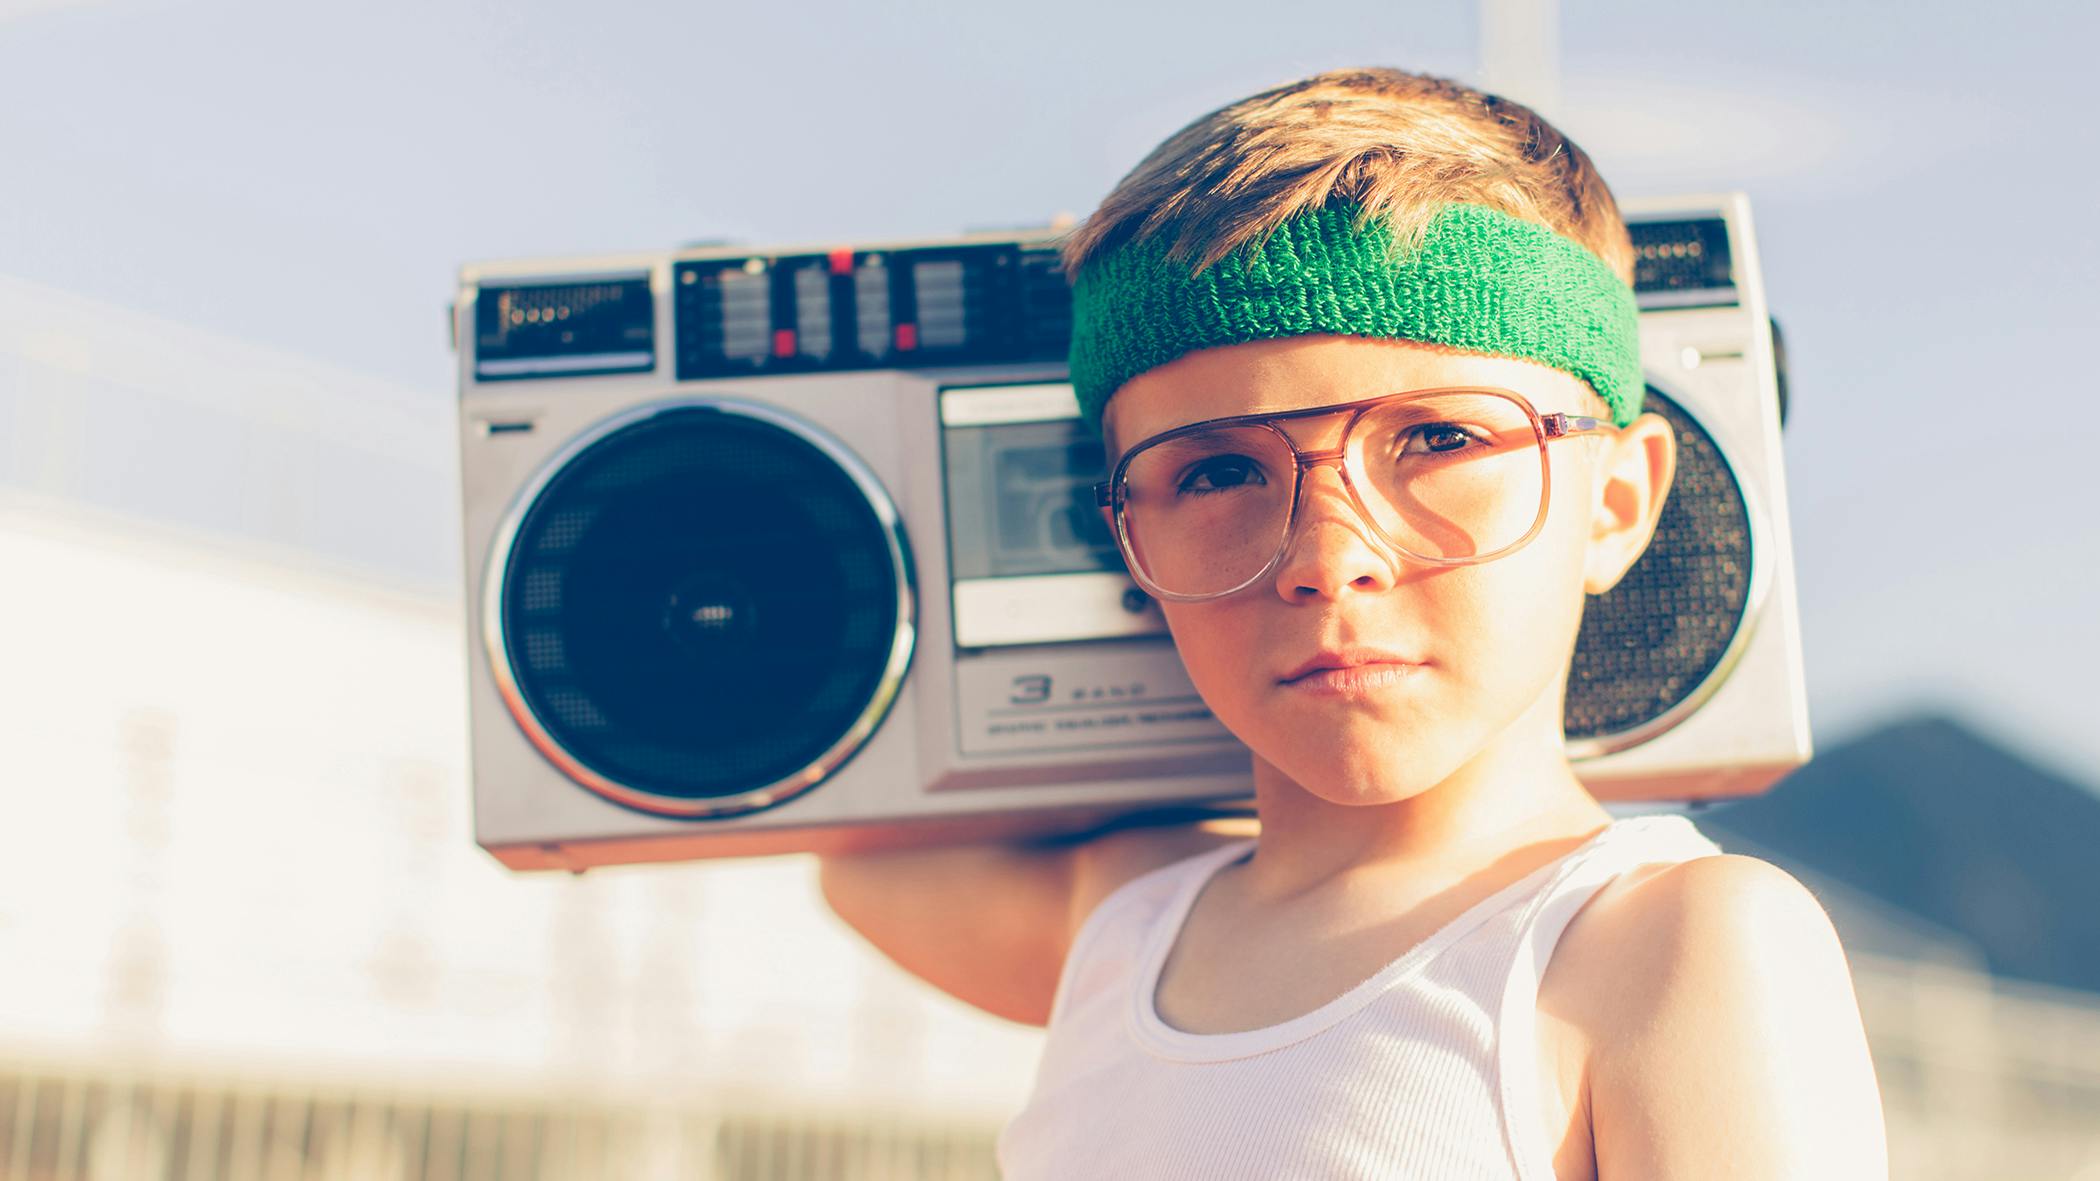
x: 700, y: 604
x: 1651, y: 641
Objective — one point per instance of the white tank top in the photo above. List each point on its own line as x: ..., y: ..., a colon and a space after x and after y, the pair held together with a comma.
x: 1428, y: 1069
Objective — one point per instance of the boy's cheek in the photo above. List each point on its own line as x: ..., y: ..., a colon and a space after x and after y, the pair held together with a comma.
x: 1226, y: 660
x: 1195, y: 639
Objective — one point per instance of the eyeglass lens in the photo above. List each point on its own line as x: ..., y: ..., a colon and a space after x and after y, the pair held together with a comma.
x: 1448, y: 476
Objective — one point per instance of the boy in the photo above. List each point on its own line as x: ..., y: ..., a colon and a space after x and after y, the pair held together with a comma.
x: 1437, y: 955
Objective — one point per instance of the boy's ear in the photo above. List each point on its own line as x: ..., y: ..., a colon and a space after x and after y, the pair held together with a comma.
x: 1632, y: 480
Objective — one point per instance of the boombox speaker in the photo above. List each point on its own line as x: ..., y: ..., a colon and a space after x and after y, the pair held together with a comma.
x: 794, y: 550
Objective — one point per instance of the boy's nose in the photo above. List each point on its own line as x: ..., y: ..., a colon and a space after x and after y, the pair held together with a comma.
x: 1331, y: 545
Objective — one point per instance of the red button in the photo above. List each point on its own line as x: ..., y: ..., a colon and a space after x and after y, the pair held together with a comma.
x: 842, y: 262
x: 784, y: 342
x: 907, y: 337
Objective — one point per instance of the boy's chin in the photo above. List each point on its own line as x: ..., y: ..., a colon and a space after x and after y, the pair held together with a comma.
x: 1383, y: 771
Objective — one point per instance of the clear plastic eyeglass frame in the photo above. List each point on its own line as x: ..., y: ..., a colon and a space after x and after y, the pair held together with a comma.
x: 1110, y: 493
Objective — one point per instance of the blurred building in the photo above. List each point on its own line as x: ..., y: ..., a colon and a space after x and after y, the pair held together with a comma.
x: 244, y: 857
x: 1960, y: 877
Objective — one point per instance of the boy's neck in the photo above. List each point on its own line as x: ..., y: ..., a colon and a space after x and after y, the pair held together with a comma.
x: 1517, y: 793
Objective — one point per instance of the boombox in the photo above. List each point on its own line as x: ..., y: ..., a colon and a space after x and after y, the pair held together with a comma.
x: 795, y: 549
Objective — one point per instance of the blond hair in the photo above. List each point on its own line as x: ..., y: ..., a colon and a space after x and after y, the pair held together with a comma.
x: 1400, y: 145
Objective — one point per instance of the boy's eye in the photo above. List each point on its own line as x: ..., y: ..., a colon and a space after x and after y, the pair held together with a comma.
x: 1435, y: 438
x: 1220, y: 473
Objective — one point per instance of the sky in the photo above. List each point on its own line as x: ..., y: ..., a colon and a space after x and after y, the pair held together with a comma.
x: 300, y: 182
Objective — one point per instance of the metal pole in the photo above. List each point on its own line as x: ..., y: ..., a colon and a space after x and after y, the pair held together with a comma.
x: 1520, y: 52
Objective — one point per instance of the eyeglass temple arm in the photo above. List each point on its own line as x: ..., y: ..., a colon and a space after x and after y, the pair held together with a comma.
x: 1558, y: 424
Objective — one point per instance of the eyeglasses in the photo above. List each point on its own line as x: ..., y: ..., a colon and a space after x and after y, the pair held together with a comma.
x: 1446, y: 477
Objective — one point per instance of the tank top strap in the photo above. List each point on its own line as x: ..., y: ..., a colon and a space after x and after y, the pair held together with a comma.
x: 1632, y: 841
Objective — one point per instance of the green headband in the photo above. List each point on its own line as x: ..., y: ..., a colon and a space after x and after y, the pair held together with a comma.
x: 1483, y: 281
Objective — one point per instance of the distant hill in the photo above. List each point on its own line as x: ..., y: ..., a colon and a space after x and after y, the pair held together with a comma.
x: 1933, y: 818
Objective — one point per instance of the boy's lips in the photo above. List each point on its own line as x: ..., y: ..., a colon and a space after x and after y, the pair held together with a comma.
x: 1345, y: 657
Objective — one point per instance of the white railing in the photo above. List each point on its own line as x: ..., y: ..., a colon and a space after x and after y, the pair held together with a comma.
x: 88, y: 1124
x: 1980, y: 1079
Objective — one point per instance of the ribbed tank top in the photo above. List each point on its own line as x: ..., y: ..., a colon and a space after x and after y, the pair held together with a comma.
x: 1428, y: 1069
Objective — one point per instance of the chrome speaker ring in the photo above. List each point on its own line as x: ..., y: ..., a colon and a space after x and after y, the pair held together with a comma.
x: 896, y: 662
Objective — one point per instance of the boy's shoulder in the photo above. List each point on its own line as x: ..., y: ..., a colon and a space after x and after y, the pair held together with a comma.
x: 1657, y: 920
x: 1717, y: 987
x: 1658, y: 903
x: 1712, y: 940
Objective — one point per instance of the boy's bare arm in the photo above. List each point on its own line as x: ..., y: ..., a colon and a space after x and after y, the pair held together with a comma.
x: 990, y: 924
x: 1732, y: 1041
